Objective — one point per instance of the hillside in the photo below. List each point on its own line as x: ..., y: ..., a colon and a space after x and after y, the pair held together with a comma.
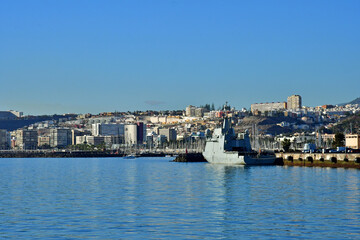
x: 356, y: 101
x: 352, y: 122
x: 266, y: 124
x: 11, y: 125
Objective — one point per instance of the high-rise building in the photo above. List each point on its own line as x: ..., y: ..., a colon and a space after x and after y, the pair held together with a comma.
x: 190, y: 111
x: 4, y: 140
x: 135, y: 133
x: 60, y: 137
x: 294, y: 102
x: 26, y: 139
x: 170, y: 134
x: 74, y: 134
x: 141, y: 132
x: 131, y: 134
x: 103, y: 129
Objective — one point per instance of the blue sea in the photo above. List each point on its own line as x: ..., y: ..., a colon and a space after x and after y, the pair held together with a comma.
x: 153, y: 198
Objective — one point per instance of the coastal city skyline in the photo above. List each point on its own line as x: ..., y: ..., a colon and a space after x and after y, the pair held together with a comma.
x: 191, y: 125
x: 87, y: 56
x: 179, y: 119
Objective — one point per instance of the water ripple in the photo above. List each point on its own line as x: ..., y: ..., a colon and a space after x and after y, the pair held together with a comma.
x: 156, y: 199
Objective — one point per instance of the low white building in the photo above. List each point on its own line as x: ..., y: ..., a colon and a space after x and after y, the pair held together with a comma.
x: 352, y: 141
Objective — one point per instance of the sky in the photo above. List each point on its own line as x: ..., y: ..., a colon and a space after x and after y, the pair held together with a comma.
x: 75, y: 56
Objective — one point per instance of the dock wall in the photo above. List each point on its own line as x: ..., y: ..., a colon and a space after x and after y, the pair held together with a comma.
x: 351, y: 160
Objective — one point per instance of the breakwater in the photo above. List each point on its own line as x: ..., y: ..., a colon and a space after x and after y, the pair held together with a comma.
x: 347, y: 160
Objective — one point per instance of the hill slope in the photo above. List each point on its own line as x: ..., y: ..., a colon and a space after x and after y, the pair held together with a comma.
x: 355, y: 101
x: 266, y: 124
x: 352, y: 122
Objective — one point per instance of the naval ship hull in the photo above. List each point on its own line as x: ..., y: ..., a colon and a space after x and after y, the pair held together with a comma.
x: 236, y: 159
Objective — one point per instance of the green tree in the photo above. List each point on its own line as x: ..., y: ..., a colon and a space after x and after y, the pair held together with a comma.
x: 207, y: 106
x: 101, y: 147
x: 339, y: 140
x: 286, y: 144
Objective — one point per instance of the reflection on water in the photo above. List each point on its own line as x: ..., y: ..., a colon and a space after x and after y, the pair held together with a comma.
x: 154, y: 198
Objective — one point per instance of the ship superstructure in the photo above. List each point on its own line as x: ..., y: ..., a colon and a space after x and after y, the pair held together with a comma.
x: 226, y: 147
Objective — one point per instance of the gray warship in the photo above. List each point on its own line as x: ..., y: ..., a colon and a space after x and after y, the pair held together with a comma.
x: 228, y: 148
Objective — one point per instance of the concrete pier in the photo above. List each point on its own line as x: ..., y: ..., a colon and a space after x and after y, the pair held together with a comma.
x: 350, y: 160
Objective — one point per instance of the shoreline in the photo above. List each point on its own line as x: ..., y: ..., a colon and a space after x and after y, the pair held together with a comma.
x: 72, y: 154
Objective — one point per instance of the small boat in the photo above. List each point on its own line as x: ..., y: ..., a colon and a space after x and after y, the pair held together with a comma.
x: 130, y: 156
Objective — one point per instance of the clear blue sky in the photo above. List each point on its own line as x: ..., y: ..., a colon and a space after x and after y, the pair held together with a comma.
x: 94, y: 56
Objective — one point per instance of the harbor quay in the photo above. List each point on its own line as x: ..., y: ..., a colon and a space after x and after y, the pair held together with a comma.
x: 345, y: 160
x: 350, y: 160
x: 335, y: 160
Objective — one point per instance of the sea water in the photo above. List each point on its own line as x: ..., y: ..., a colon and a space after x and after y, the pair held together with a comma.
x: 153, y: 198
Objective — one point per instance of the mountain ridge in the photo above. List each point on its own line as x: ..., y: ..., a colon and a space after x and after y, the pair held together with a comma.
x: 355, y: 101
